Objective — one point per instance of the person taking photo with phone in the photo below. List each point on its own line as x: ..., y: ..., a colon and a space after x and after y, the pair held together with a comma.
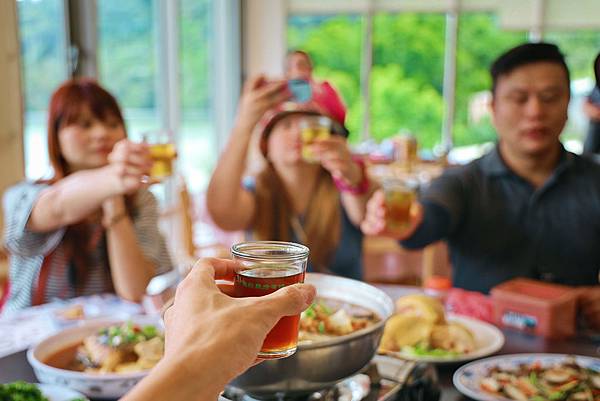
x: 318, y: 201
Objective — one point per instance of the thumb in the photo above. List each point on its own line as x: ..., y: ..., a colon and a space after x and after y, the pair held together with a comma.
x: 288, y: 301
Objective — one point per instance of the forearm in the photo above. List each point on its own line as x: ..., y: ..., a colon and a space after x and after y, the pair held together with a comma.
x: 71, y: 200
x: 130, y: 270
x: 224, y: 189
x: 356, y: 205
x: 180, y: 380
x: 434, y: 227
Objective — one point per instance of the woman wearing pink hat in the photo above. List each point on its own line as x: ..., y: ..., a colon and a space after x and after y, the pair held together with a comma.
x: 319, y: 204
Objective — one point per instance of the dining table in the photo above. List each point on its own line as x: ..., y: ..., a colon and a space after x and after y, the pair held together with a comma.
x: 15, y: 366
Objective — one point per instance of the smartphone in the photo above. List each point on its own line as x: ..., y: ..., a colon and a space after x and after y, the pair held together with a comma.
x: 301, y: 90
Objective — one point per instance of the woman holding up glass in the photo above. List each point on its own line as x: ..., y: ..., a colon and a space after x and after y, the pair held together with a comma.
x: 92, y: 227
x: 310, y: 190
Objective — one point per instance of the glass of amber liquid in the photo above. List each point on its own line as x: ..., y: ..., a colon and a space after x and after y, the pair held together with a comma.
x: 312, y: 129
x: 267, y: 266
x: 400, y: 194
x: 162, y: 152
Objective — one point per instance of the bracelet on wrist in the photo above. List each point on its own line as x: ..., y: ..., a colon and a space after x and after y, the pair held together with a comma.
x: 358, y: 189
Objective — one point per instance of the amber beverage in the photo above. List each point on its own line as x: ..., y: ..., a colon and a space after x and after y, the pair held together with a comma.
x: 399, y: 197
x: 262, y: 281
x: 162, y: 155
x: 268, y: 266
x: 313, y: 129
x: 162, y: 152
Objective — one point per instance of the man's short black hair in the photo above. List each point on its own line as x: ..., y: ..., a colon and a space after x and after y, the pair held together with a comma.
x: 526, y: 53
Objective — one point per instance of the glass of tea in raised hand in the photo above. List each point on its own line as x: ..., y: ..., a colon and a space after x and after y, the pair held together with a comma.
x: 265, y: 267
x: 400, y: 194
x: 162, y: 152
x: 313, y: 129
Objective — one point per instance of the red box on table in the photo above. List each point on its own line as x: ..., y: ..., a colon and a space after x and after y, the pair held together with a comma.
x: 536, y: 307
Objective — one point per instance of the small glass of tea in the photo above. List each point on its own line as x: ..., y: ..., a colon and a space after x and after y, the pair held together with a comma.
x: 267, y: 266
x: 162, y: 152
x: 400, y: 194
x: 312, y: 129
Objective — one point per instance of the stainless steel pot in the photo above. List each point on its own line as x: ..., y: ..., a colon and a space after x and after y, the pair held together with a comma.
x: 316, y: 366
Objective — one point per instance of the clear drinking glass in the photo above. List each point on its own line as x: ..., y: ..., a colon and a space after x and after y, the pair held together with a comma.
x: 312, y: 129
x: 400, y: 194
x: 162, y: 152
x: 266, y: 267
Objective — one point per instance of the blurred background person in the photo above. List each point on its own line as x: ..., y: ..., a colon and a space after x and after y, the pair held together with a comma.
x: 514, y: 212
x: 591, y: 108
x: 298, y: 65
x: 92, y: 227
x: 319, y: 203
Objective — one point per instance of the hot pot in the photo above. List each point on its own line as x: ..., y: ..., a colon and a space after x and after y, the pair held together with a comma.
x: 319, y: 365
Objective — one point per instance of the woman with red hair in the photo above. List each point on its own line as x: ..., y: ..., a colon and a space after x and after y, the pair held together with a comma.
x: 92, y: 227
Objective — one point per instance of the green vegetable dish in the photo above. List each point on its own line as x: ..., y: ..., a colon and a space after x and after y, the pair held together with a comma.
x: 22, y: 391
x: 566, y: 381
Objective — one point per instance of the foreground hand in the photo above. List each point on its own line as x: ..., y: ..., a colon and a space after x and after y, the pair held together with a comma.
x: 335, y: 157
x: 375, y: 220
x: 206, y: 325
x: 258, y: 96
x: 129, y: 162
x: 589, y: 303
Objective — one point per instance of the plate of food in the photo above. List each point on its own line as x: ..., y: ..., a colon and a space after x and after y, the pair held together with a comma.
x: 21, y: 390
x: 421, y: 330
x: 101, y: 359
x: 536, y: 377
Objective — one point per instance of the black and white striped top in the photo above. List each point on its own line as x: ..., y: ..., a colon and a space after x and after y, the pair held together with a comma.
x: 28, y: 249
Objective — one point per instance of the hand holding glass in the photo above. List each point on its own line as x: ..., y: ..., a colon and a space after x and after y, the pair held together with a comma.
x: 267, y: 266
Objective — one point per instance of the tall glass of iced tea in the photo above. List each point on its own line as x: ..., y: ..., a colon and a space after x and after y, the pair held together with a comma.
x: 400, y: 194
x: 266, y: 267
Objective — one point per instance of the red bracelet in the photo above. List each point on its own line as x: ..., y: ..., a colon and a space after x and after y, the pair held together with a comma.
x: 359, y: 189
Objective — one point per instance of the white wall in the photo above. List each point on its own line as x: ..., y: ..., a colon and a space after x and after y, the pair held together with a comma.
x: 264, y: 38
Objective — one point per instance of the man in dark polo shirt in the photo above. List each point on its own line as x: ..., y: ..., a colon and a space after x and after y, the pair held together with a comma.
x: 528, y: 208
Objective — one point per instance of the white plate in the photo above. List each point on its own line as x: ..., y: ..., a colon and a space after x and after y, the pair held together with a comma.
x: 488, y: 339
x: 59, y: 393
x: 467, y: 379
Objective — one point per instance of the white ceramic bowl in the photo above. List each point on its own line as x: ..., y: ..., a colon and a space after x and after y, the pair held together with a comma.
x: 112, y: 385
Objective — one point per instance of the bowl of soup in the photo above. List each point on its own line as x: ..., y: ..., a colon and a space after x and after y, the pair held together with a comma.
x: 339, y: 335
x: 101, y: 358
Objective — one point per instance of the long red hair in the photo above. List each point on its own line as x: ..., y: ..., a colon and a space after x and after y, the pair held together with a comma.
x: 68, y: 105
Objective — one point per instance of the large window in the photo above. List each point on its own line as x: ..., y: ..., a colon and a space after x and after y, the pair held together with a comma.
x: 197, y: 139
x: 480, y: 41
x: 127, y: 48
x: 580, y: 49
x: 407, y: 69
x: 334, y: 44
x: 139, y: 47
x: 43, y: 54
x: 407, y: 76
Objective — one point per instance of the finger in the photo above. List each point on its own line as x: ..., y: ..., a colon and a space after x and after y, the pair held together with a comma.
x: 287, y: 301
x: 372, y: 227
x: 376, y: 205
x: 271, y: 90
x: 254, y: 83
x: 216, y: 269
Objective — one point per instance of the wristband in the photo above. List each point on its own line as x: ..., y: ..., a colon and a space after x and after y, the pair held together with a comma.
x: 359, y: 189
